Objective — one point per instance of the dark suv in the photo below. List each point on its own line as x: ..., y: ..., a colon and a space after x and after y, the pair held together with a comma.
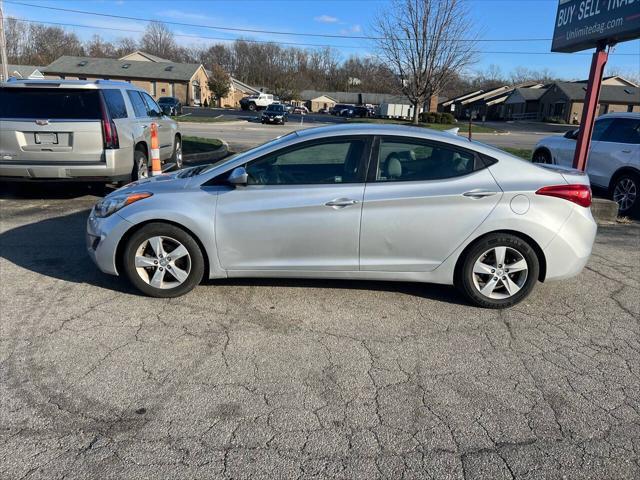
x: 170, y: 105
x: 275, y: 113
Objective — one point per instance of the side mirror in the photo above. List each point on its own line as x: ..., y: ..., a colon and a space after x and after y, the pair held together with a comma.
x: 238, y: 176
x: 571, y: 134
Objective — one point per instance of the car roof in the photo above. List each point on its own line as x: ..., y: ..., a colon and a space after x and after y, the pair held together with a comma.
x: 59, y: 83
x: 384, y: 129
x: 635, y: 115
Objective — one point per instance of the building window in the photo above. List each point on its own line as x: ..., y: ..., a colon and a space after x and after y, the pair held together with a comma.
x: 82, y: 78
x: 173, y: 89
x: 153, y: 88
x: 629, y: 108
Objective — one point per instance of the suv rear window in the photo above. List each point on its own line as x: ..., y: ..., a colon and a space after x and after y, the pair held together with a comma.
x: 49, y: 103
x: 115, y: 103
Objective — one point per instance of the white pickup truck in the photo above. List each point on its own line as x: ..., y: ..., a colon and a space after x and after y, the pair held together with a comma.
x: 257, y: 102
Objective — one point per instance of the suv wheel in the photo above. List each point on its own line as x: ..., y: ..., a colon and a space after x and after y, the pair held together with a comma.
x: 163, y: 261
x: 177, y: 153
x: 499, y: 271
x: 252, y: 107
x: 541, y: 156
x: 140, y: 165
x: 625, y: 191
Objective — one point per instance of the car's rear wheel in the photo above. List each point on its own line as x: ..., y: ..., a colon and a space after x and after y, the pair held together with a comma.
x: 162, y: 260
x: 541, y: 156
x: 625, y: 191
x: 140, y: 165
x: 177, y: 153
x: 499, y: 271
x: 252, y: 107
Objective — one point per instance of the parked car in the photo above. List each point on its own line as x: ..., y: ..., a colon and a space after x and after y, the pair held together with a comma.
x: 275, y: 113
x: 300, y: 109
x: 81, y: 130
x: 356, y: 112
x: 339, y: 107
x: 288, y: 107
x: 256, y: 102
x: 614, y: 161
x: 170, y: 105
x: 428, y: 207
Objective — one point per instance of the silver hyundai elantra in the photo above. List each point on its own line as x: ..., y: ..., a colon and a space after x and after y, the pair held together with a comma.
x: 361, y: 201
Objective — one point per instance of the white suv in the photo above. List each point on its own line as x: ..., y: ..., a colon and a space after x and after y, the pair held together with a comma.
x: 614, y: 161
x: 81, y: 130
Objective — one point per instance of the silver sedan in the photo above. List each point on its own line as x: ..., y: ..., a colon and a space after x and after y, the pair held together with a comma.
x: 352, y: 202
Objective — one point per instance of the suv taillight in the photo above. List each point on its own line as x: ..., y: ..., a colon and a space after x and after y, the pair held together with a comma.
x: 578, y: 194
x: 109, y: 130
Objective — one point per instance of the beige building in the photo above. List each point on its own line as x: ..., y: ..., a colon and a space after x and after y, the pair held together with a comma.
x: 565, y: 100
x: 160, y: 77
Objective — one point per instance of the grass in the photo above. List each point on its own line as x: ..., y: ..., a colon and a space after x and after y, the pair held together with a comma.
x: 199, y: 144
x: 192, y: 119
x: 464, y: 127
x: 519, y: 152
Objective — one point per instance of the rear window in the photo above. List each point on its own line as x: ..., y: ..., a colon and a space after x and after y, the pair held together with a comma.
x: 115, y: 103
x: 49, y: 103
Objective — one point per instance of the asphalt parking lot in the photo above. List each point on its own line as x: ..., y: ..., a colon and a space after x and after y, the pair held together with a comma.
x: 306, y: 379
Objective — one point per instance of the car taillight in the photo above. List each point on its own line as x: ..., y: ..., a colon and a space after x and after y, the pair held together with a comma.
x: 109, y: 130
x: 578, y: 194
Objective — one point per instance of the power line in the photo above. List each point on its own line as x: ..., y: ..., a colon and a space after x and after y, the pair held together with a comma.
x: 250, y: 30
x: 201, y: 37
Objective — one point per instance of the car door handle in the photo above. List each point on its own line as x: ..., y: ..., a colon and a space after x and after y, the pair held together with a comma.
x: 479, y: 194
x: 341, y: 202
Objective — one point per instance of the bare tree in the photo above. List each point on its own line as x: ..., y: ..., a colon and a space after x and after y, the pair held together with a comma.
x: 158, y: 40
x: 425, y: 42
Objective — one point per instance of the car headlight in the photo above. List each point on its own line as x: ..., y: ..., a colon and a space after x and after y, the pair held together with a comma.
x: 110, y: 205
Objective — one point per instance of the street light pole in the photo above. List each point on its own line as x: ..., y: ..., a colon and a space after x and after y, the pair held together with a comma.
x: 3, y: 47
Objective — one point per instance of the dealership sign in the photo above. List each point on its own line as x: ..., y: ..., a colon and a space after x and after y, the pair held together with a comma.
x: 583, y: 24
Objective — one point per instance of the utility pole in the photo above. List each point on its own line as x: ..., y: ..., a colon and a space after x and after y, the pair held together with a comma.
x: 3, y: 47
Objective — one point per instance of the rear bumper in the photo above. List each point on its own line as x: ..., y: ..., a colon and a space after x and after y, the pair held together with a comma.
x: 117, y: 165
x: 569, y: 251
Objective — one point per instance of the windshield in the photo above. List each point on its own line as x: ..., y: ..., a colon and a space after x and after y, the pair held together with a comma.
x: 256, y: 150
x: 275, y: 108
x: 165, y: 100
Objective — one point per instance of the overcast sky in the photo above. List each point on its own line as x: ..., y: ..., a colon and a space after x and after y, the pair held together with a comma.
x: 494, y: 19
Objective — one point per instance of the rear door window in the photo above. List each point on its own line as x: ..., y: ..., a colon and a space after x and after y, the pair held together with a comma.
x: 623, y: 130
x: 50, y: 103
x: 139, y: 107
x: 115, y: 103
x: 406, y: 160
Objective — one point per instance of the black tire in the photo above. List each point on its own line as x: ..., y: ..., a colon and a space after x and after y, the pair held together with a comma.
x: 177, y: 153
x: 171, y: 232
x: 541, y: 156
x: 465, y: 278
x: 252, y: 107
x: 625, y: 190
x: 140, y: 165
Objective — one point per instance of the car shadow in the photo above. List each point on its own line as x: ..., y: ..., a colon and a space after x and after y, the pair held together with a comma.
x: 55, y: 247
x: 51, y: 190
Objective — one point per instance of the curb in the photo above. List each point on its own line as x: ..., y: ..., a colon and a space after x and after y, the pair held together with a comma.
x: 604, y: 211
x: 214, y: 155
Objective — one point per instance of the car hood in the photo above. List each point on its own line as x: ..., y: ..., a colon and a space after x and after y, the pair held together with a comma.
x: 162, y: 183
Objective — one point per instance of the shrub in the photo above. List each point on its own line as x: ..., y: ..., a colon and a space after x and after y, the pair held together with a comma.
x: 447, y: 118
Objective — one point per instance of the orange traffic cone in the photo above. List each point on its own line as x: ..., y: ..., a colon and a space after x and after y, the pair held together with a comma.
x: 156, y: 168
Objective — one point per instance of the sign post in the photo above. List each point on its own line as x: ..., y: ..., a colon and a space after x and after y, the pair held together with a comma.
x: 584, y: 24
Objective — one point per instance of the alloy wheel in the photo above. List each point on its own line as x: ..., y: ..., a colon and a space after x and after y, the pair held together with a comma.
x: 178, y: 154
x: 625, y: 193
x: 163, y: 262
x: 143, y: 168
x: 500, y: 272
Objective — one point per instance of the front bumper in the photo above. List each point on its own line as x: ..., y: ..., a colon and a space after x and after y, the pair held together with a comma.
x: 117, y: 165
x: 102, y: 239
x: 569, y: 251
x: 273, y: 119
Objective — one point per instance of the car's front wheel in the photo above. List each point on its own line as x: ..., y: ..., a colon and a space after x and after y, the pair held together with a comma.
x: 499, y: 271
x: 625, y: 191
x: 162, y: 260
